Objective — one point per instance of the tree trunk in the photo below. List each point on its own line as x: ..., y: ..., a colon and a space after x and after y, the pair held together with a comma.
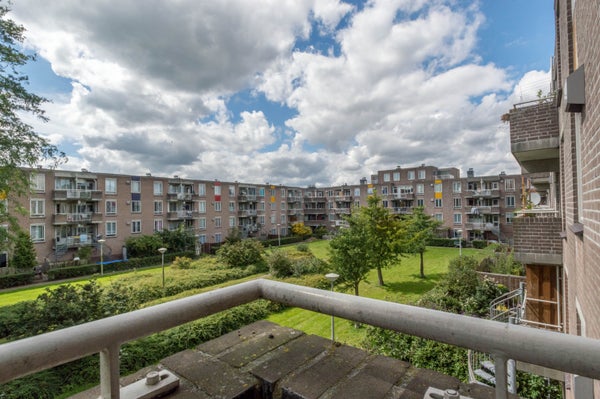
x: 422, y: 266
x: 380, y: 276
x: 356, y: 289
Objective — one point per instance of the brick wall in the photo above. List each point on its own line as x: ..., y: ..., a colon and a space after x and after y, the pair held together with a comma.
x: 537, y: 234
x: 533, y: 122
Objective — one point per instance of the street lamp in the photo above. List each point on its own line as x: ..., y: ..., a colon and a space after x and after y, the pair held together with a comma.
x: 102, y: 241
x: 459, y: 233
x: 162, y: 254
x: 332, y: 277
x: 278, y: 235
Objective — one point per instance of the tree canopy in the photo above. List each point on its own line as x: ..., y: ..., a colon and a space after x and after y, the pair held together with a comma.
x: 421, y: 228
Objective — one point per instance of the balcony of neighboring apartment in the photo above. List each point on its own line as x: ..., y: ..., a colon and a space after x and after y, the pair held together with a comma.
x: 534, y: 135
x: 76, y: 194
x: 402, y: 210
x: 76, y: 218
x: 483, y: 210
x: 182, y: 214
x: 315, y: 210
x: 346, y: 210
x: 247, y: 212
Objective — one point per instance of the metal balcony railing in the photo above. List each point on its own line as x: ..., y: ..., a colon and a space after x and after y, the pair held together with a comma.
x: 572, y: 354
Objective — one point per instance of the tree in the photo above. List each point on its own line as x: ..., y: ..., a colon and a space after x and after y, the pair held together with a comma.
x: 384, y: 231
x: 20, y: 146
x: 299, y: 229
x: 24, y: 253
x: 349, y: 254
x: 421, y: 229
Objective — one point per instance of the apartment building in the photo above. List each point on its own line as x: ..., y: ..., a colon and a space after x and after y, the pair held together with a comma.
x: 560, y: 244
x: 71, y: 209
x: 474, y: 207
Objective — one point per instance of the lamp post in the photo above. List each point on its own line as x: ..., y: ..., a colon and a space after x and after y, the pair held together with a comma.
x: 162, y: 254
x: 459, y: 232
x: 102, y: 241
x: 332, y: 277
x: 278, y: 235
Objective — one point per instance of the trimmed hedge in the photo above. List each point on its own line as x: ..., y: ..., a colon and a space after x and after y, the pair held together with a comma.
x: 15, y: 280
x: 479, y: 244
x: 71, y: 272
x: 273, y: 242
x: 445, y: 242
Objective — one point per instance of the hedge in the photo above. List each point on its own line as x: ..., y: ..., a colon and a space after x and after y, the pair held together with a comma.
x: 479, y: 244
x: 445, y: 242
x: 273, y: 242
x: 14, y: 280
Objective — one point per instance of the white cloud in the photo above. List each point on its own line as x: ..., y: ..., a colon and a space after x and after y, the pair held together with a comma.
x: 396, y: 83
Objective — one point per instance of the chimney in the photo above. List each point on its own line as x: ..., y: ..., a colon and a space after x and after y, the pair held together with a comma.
x: 470, y: 173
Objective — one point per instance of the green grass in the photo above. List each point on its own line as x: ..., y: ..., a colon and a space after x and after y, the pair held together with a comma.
x: 402, y: 285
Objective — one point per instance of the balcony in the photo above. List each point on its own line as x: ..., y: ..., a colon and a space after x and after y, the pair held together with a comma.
x: 481, y: 226
x: 77, y: 218
x: 402, y: 210
x: 534, y: 135
x: 315, y: 211
x: 180, y: 196
x: 179, y: 215
x: 483, y: 193
x: 247, y: 198
x: 77, y: 195
x: 537, y: 237
x: 247, y: 212
x: 241, y: 359
x: 82, y: 240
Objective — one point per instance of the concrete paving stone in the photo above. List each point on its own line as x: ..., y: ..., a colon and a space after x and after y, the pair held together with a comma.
x: 225, y: 342
x: 312, y: 382
x: 374, y: 379
x: 288, y: 358
x: 217, y: 378
x: 421, y: 379
x: 261, y: 343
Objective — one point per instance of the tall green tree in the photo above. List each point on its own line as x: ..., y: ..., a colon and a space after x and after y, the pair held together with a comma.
x: 420, y: 230
x: 20, y: 146
x: 24, y: 253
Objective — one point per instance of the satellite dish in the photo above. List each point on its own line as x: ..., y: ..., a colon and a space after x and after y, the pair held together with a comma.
x: 535, y: 198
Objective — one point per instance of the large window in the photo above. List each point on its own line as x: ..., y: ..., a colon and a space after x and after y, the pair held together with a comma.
x: 457, y: 218
x: 136, y: 186
x: 202, y: 223
x: 231, y: 191
x: 111, y: 207
x: 422, y: 174
x: 111, y: 229
x: 201, y: 189
x: 509, y: 217
x: 158, y: 208
x: 110, y: 185
x: 37, y: 207
x: 38, y: 182
x: 231, y: 206
x: 158, y: 225
x: 231, y: 221
x: 202, y: 206
x: 509, y: 184
x: 456, y: 187
x: 217, y: 190
x: 438, y: 202
x: 37, y: 232
x: 158, y: 188
x: 420, y: 188
x: 396, y: 176
x: 420, y: 202
x: 510, y: 201
x: 457, y: 203
x: 386, y: 177
x: 218, y: 222
x: 411, y: 175
x: 218, y: 206
x: 136, y: 226
x: 136, y: 206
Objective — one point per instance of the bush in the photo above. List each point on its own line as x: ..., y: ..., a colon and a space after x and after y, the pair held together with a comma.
x: 443, y: 242
x: 15, y: 280
x: 308, y: 265
x: 182, y: 263
x: 71, y: 272
x: 241, y: 253
x: 302, y: 247
x: 479, y: 244
x: 280, y: 264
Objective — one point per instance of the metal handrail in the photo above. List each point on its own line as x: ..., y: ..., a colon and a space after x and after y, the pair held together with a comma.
x: 572, y: 354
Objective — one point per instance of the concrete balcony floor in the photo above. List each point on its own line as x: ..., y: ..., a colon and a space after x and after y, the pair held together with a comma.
x: 265, y: 360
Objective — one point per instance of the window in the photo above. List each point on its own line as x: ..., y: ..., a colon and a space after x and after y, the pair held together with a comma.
x: 509, y: 217
x: 218, y: 238
x: 110, y: 185
x: 411, y: 175
x: 136, y: 206
x: 283, y: 192
x: 158, y: 189
x: 231, y: 191
x: 217, y: 190
x: 136, y: 226
x: 386, y: 177
x: 396, y: 176
x: 509, y: 184
x: 283, y: 219
x: 422, y: 174
x: 456, y: 187
x: 201, y: 206
x: 201, y: 189
x: 158, y: 208
x: 38, y: 182
x: 136, y: 186
x: 218, y: 221
x: 231, y: 206
x: 202, y: 238
x: 384, y: 204
x: 231, y: 221
x: 438, y: 187
x: 37, y: 232
x: 261, y: 220
x: 510, y: 201
x: 494, y: 185
x: 420, y: 202
x: 218, y: 206
x: 111, y: 207
x: 438, y: 202
x: 158, y: 225
x: 37, y: 207
x: 272, y: 206
x: 457, y: 218
x: 111, y: 229
x: 202, y: 223
x: 273, y: 218
x: 457, y: 203
x: 420, y: 188
x: 282, y: 205
x: 357, y: 192
x: 384, y: 190
x: 261, y: 192
x: 439, y: 217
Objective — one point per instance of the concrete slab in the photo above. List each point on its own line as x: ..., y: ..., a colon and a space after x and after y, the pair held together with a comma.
x: 312, y: 382
x: 216, y: 378
x: 224, y: 342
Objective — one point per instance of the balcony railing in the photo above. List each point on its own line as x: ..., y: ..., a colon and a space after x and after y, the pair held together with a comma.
x: 77, y: 194
x: 568, y: 353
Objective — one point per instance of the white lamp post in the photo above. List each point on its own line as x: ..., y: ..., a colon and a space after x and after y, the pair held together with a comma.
x: 332, y: 277
x: 102, y: 241
x: 162, y: 254
x: 278, y: 235
x: 459, y: 232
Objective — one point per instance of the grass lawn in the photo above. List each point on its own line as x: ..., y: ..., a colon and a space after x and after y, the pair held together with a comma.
x: 402, y: 285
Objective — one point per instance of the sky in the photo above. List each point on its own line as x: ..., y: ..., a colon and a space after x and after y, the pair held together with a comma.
x: 292, y: 92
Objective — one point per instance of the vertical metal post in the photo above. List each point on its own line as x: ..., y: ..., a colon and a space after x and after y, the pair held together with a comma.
x: 162, y: 259
x: 109, y: 373
x: 500, y: 365
x: 332, y: 277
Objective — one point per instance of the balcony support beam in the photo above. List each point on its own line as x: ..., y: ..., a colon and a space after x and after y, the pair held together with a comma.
x: 109, y: 372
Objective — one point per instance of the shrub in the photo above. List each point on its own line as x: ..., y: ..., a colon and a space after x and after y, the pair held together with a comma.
x: 15, y: 280
x: 308, y: 265
x: 182, y: 262
x: 479, y: 244
x: 302, y: 247
x: 443, y: 242
x: 280, y: 264
x: 241, y: 253
x: 70, y: 272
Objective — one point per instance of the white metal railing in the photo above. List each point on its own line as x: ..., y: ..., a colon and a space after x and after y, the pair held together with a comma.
x: 568, y: 353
